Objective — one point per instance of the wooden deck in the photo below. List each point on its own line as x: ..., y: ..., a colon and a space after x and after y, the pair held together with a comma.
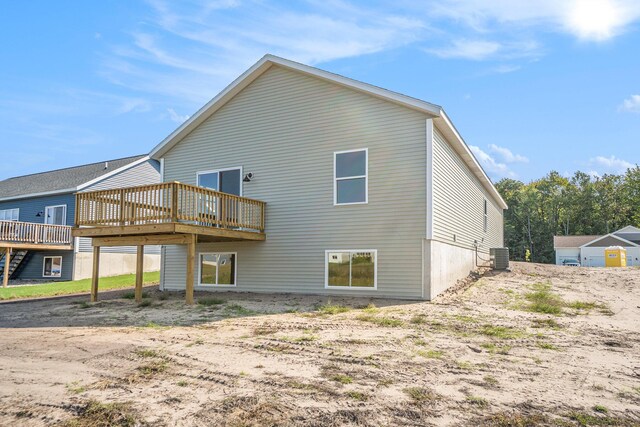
x: 31, y: 236
x: 170, y: 213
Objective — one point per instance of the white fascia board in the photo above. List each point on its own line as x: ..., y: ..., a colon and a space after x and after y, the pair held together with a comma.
x: 610, y: 235
x: 112, y: 173
x: 628, y: 229
x: 465, y: 153
x: 429, y: 177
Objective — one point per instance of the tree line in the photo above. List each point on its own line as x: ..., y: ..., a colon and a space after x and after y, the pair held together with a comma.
x: 556, y: 205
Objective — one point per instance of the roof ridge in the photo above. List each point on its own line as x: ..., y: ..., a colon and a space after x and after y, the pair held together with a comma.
x: 73, y: 167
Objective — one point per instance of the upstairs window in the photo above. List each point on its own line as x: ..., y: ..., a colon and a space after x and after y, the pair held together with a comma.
x: 350, y: 173
x: 486, y: 217
x: 9, y: 214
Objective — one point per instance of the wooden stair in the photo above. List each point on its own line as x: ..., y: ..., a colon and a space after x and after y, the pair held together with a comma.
x: 17, y: 257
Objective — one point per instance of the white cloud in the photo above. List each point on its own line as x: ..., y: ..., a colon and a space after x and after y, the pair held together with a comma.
x: 610, y: 164
x: 468, y: 49
x: 631, y: 104
x: 589, y: 20
x: 490, y: 164
x: 507, y: 155
x: 177, y: 117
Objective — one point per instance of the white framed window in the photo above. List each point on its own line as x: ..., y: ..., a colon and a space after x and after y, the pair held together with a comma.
x: 55, y: 215
x: 351, y: 177
x: 351, y: 268
x: 224, y: 180
x: 485, y: 224
x: 217, y: 269
x: 52, y: 266
x: 10, y: 214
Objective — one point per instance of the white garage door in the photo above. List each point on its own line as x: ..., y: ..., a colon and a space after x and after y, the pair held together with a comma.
x: 595, y: 261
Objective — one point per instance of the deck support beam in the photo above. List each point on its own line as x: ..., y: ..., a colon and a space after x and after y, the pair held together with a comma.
x: 7, y: 262
x: 191, y: 260
x: 139, y: 272
x: 95, y: 273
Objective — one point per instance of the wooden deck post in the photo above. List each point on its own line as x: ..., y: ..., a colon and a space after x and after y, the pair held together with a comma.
x: 7, y: 262
x: 95, y: 273
x: 139, y: 272
x: 191, y: 260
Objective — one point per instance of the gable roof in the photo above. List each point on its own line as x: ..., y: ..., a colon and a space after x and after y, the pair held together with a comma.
x: 609, y: 240
x: 65, y: 180
x: 628, y: 229
x: 572, y: 241
x: 440, y: 118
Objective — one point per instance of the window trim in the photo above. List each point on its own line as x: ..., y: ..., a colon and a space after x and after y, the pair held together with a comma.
x: 375, y: 270
x: 11, y: 209
x: 365, y: 176
x: 485, y: 225
x: 64, y: 216
x: 210, y: 285
x: 44, y: 261
x: 218, y: 172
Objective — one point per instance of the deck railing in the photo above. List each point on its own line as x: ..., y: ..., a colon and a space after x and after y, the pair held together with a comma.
x: 168, y: 202
x: 34, y: 233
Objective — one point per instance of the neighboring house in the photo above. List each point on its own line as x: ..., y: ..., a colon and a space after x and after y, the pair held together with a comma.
x: 294, y: 179
x: 37, y: 212
x: 589, y: 250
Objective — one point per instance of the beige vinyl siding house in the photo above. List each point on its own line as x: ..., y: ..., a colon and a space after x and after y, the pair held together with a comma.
x: 290, y: 126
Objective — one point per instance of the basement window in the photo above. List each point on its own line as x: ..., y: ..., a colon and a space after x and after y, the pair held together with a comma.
x: 350, y: 177
x: 353, y: 268
x: 52, y: 266
x: 218, y: 269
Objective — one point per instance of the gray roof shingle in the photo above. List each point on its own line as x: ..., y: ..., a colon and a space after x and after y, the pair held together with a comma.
x: 572, y: 241
x: 60, y: 179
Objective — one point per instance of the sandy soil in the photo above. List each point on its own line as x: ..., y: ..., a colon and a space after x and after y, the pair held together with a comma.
x: 477, y: 356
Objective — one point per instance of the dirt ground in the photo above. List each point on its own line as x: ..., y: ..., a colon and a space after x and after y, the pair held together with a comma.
x: 540, y: 345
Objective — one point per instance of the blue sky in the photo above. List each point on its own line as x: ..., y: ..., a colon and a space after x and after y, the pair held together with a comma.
x: 531, y: 85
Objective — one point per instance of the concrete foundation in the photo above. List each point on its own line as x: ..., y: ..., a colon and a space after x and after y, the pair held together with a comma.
x: 445, y: 264
x: 112, y: 264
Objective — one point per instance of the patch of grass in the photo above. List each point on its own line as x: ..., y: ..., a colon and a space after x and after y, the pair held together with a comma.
x: 496, y: 349
x: 75, y: 387
x: 154, y: 325
x: 546, y: 323
x: 162, y: 297
x: 463, y: 364
x: 465, y: 319
x: 431, y: 354
x: 238, y: 310
x: 76, y: 286
x: 480, y: 402
x: 584, y: 419
x: 547, y: 346
x: 182, y: 383
x: 153, y: 368
x: 331, y: 309
x: 357, y: 395
x: 98, y: 414
x: 132, y: 295
x: 490, y: 380
x: 210, y: 301
x: 601, y: 409
x: 342, y: 379
x: 419, y: 319
x: 514, y: 419
x: 421, y: 394
x: 502, y: 332
x: 542, y: 300
x: 380, y: 320
x: 147, y: 352
x: 84, y: 305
